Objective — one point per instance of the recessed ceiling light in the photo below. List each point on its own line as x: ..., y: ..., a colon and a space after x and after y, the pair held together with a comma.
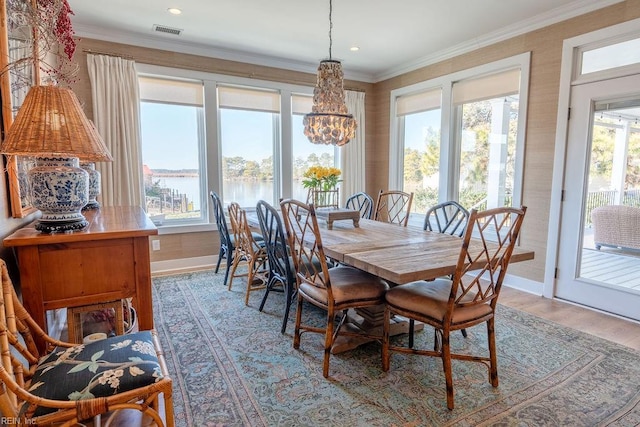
x: 174, y: 11
x: 354, y: 48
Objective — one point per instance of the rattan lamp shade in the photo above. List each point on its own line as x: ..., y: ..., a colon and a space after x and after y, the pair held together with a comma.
x: 52, y: 127
x: 51, y: 123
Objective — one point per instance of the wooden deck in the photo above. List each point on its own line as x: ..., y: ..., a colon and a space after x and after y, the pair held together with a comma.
x: 619, y: 269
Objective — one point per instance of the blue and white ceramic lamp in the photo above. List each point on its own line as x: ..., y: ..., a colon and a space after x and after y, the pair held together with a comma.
x: 51, y: 127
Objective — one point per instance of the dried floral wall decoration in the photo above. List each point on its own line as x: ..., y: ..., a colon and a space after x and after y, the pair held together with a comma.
x: 44, y: 27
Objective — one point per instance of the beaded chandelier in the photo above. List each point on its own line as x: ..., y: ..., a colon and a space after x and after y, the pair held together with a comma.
x: 329, y: 121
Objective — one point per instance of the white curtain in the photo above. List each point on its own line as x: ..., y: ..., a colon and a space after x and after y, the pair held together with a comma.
x: 352, y: 157
x: 116, y: 114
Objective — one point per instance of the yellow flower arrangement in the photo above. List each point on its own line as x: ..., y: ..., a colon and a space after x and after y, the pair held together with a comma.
x: 321, y: 178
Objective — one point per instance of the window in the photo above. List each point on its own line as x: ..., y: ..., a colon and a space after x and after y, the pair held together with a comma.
x: 249, y: 129
x: 611, y: 56
x: 419, y: 117
x: 171, y: 119
x: 461, y: 137
x: 241, y: 137
x: 487, y: 115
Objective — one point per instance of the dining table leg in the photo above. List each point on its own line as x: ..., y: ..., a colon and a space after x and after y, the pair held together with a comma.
x: 369, y: 320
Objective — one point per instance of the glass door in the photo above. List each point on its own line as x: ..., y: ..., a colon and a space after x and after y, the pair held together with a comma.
x: 599, y: 257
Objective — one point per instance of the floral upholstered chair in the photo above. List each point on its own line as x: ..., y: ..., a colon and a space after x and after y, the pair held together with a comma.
x: 70, y: 383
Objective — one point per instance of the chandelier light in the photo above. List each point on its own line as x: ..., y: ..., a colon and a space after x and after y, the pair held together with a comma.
x: 329, y: 121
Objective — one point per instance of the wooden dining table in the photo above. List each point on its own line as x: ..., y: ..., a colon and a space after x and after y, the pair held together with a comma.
x: 396, y: 254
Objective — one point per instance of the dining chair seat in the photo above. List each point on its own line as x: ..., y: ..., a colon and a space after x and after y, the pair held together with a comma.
x: 349, y: 284
x: 431, y: 299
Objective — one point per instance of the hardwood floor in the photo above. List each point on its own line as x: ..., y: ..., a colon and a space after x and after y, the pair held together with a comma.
x: 612, y: 328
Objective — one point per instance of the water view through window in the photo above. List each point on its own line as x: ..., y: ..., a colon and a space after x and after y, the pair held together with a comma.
x: 170, y: 156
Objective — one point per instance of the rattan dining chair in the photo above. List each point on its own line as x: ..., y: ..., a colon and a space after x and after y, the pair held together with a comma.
x: 393, y: 207
x: 447, y: 217
x: 281, y: 269
x: 468, y: 300
x: 361, y: 202
x: 249, y: 250
x: 69, y: 384
x: 335, y: 289
x: 450, y: 218
x: 226, y: 242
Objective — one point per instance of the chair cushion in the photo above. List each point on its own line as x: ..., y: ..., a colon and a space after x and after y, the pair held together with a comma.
x: 430, y: 299
x: 348, y: 284
x: 99, y: 369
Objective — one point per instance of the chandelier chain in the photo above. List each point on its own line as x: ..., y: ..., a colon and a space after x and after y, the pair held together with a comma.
x: 330, y: 26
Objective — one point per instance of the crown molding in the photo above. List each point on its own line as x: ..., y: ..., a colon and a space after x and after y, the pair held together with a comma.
x: 576, y: 8
x: 571, y: 10
x: 141, y: 40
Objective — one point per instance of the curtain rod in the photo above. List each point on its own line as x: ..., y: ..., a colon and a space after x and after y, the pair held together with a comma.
x: 118, y: 55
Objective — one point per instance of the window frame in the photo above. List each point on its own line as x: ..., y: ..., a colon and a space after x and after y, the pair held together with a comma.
x: 211, y: 149
x: 450, y: 121
x: 200, y: 122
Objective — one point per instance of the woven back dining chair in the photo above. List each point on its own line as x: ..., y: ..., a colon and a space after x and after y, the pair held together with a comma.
x: 393, y: 207
x: 361, y: 202
x: 467, y: 300
x: 248, y: 250
x: 447, y: 217
x: 226, y: 250
x: 335, y: 289
x: 281, y: 269
x: 70, y: 384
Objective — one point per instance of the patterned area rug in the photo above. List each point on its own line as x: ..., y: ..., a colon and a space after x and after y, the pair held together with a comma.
x: 232, y: 367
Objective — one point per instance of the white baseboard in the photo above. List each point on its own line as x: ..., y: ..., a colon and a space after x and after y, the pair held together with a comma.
x: 209, y: 262
x: 523, y: 284
x: 184, y: 264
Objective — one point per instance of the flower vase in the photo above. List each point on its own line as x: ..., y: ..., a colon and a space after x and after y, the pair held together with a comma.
x: 324, y: 198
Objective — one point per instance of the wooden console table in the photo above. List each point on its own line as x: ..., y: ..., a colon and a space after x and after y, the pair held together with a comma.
x: 107, y: 261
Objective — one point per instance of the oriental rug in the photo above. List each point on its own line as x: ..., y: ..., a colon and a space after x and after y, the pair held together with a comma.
x: 232, y: 367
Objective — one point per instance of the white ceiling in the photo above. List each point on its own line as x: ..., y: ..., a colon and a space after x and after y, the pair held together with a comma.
x: 393, y: 36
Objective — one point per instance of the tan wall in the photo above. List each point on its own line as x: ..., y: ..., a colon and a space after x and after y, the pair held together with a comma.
x: 545, y: 46
x: 174, y: 246
x: 185, y: 245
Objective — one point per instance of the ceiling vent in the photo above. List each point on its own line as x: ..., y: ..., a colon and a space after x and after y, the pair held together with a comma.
x: 167, y: 30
